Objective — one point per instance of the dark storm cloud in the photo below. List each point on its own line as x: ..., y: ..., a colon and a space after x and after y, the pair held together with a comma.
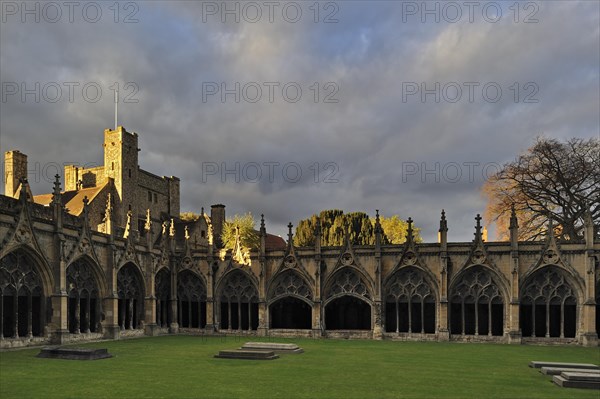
x: 389, y: 152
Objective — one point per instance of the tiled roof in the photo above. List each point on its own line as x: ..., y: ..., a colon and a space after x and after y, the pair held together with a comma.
x: 72, y: 200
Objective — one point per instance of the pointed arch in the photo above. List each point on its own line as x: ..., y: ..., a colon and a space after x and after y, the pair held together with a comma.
x: 130, y: 288
x: 191, y: 299
x: 348, y: 300
x: 96, y: 270
x: 237, y: 295
x: 162, y: 292
x: 289, y: 283
x: 23, y: 297
x: 549, y: 303
x: 38, y: 261
x: 477, y: 302
x: 410, y: 301
x: 290, y: 301
x: 348, y: 280
x: 84, y: 302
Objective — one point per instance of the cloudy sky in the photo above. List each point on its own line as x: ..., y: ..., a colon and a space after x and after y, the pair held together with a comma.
x: 287, y: 108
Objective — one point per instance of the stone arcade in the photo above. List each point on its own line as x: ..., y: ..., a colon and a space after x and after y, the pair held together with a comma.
x: 109, y: 258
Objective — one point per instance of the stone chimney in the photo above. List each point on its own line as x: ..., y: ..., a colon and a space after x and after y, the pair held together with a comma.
x: 15, y: 169
x: 217, y: 218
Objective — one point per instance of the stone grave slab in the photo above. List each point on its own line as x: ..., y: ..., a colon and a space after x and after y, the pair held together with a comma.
x: 539, y: 364
x: 272, y: 346
x: 57, y: 352
x: 246, y: 354
x: 558, y: 370
x: 577, y: 380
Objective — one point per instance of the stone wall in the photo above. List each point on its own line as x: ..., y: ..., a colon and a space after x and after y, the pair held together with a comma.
x: 311, y: 277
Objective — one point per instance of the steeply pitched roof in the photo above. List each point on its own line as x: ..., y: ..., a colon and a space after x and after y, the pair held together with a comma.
x: 72, y: 200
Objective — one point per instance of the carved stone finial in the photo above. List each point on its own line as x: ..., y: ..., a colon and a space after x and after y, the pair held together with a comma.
x: 290, y: 235
x: 202, y: 211
x: 56, y: 191
x: 148, y: 224
x: 172, y: 228
x: 164, y: 228
x: 409, y: 230
x: 318, y: 227
x: 443, y: 222
x: 186, y: 233
x: 514, y: 223
x: 263, y: 229
x: 127, y: 225
x: 478, y: 227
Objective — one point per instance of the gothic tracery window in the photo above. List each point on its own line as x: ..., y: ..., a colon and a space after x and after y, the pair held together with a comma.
x: 191, y: 294
x: 131, y: 297
x: 22, y: 303
x: 162, y: 289
x: 291, y: 284
x: 410, y: 303
x: 477, y: 306
x: 83, y: 310
x: 348, y: 282
x: 239, y: 303
x: 287, y: 310
x: 548, y: 305
x: 348, y: 307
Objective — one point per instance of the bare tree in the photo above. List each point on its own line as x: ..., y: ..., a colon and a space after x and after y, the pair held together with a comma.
x: 553, y: 179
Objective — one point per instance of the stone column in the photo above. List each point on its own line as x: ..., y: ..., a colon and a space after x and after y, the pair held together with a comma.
x: 316, y: 319
x: 1, y: 316
x: 131, y: 310
x: 210, y: 318
x: 29, y: 315
x: 88, y: 314
x: 589, y: 335
x: 514, y: 328
x: 150, y: 327
x: 262, y: 318
x: 77, y: 313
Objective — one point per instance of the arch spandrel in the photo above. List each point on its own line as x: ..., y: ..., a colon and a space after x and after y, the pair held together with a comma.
x: 289, y: 283
x: 348, y: 281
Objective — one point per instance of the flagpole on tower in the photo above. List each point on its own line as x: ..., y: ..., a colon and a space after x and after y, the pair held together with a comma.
x: 116, y: 107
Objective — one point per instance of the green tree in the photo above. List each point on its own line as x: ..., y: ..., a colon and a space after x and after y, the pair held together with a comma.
x: 189, y: 216
x: 395, y: 230
x: 244, y: 226
x: 361, y: 229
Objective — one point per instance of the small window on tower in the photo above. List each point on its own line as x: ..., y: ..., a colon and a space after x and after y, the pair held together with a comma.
x: 203, y: 234
x: 129, y: 170
x: 149, y: 196
x: 113, y: 166
x: 155, y: 198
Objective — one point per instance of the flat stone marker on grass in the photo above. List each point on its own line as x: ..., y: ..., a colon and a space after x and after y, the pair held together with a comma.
x: 248, y: 355
x: 558, y: 370
x: 577, y: 380
x: 272, y: 346
x: 538, y: 364
x: 57, y: 352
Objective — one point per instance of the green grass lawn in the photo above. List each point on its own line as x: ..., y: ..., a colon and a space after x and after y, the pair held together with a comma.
x: 184, y: 367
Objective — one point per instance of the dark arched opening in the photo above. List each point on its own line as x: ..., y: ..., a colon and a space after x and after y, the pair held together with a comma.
x: 131, y: 297
x: 162, y: 289
x: 83, y: 306
x: 548, y: 305
x: 476, y: 306
x: 191, y: 300
x: 410, y: 303
x: 238, y: 303
x: 290, y: 312
x: 22, y: 302
x: 348, y: 313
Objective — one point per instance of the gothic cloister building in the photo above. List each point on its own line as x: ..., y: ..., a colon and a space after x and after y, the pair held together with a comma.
x: 107, y: 259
